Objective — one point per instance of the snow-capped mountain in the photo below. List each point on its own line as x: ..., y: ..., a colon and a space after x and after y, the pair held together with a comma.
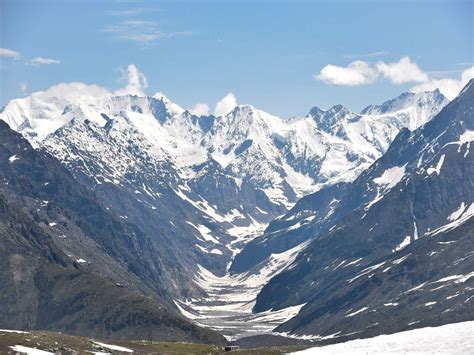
x: 204, y: 186
x: 394, y: 244
x: 294, y: 156
x: 356, y: 141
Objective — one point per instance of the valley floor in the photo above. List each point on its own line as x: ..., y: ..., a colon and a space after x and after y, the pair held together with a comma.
x: 227, y: 308
x: 457, y: 338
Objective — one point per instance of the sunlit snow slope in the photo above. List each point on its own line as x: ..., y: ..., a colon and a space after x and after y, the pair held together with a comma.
x: 454, y: 338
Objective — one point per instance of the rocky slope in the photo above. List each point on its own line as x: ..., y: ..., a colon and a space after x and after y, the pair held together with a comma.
x: 396, y: 244
x: 63, y: 257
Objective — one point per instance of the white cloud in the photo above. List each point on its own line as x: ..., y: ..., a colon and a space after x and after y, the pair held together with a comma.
x: 356, y: 73
x: 403, y: 71
x: 140, y: 31
x: 200, y: 109
x: 135, y: 30
x: 225, y: 105
x: 23, y: 87
x: 71, y: 91
x: 136, y: 82
x: 367, y: 55
x: 143, y: 37
x: 449, y: 87
x: 8, y: 53
x: 43, y: 61
x: 129, y: 12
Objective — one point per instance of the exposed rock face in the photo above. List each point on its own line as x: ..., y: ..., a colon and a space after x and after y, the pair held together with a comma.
x: 398, y: 244
x: 64, y: 257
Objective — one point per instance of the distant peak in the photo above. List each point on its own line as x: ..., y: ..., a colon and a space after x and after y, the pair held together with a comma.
x: 404, y: 100
x: 368, y: 109
x: 338, y: 108
x: 173, y: 108
x: 245, y: 109
x: 160, y: 96
x: 315, y: 111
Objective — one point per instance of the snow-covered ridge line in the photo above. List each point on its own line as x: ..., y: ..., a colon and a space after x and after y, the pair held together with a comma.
x: 282, y: 157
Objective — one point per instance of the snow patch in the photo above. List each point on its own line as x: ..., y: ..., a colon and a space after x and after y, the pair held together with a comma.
x: 13, y: 331
x: 466, y: 137
x: 457, y: 213
x: 29, y: 351
x: 205, y: 232
x: 113, y: 347
x: 465, y: 215
x: 447, y: 339
x: 366, y: 271
x: 13, y: 158
x: 390, y: 177
x: 403, y: 244
x: 437, y: 169
x: 356, y: 312
x: 456, y: 278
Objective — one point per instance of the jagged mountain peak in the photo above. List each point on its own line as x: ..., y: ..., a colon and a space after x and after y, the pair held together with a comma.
x: 246, y: 111
x: 173, y: 107
x: 290, y: 155
x: 43, y: 112
x: 315, y: 111
x: 406, y: 100
x: 338, y: 109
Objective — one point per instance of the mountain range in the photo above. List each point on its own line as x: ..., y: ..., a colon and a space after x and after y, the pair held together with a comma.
x: 135, y: 194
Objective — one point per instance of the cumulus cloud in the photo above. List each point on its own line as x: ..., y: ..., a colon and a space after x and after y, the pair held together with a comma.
x: 37, y: 61
x: 449, y: 87
x: 136, y: 82
x: 399, y: 72
x: 356, y: 73
x: 403, y: 71
x: 8, y: 53
x: 23, y: 87
x: 200, y: 109
x: 225, y: 105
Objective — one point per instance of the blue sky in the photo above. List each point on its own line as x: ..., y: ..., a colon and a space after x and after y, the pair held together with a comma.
x: 272, y: 54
